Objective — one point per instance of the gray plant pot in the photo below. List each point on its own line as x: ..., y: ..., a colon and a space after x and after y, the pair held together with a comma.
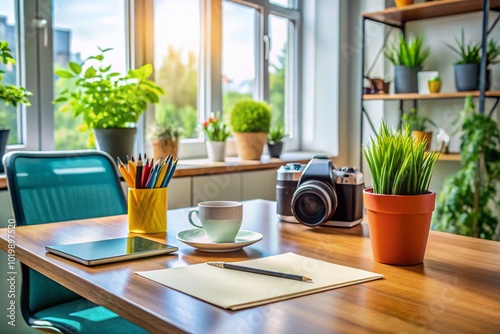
x: 4, y: 136
x: 405, y: 79
x: 466, y: 77
x: 116, y: 142
x: 275, y: 149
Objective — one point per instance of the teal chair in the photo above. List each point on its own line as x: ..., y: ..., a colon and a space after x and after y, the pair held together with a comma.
x: 57, y: 186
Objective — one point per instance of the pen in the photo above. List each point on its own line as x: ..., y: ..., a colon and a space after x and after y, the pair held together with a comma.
x: 226, y: 265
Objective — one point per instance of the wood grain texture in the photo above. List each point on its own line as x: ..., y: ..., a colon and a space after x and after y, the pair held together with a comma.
x: 455, y: 290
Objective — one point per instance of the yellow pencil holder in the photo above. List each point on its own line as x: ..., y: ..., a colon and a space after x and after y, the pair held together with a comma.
x: 147, y: 210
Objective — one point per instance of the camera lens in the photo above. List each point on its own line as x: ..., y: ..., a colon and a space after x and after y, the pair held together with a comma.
x: 314, y: 202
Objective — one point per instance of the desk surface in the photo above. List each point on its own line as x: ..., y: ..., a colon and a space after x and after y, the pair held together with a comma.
x: 457, y: 289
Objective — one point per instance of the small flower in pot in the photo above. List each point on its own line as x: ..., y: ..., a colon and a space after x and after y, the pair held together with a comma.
x: 216, y: 131
x: 275, y: 141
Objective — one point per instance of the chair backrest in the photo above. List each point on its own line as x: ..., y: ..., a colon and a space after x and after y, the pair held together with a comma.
x: 57, y: 186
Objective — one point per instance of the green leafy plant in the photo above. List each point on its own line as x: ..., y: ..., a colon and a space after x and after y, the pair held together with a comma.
x: 417, y: 122
x: 166, y: 132
x: 468, y: 53
x: 10, y: 94
x: 468, y: 203
x: 493, y: 53
x: 276, y: 134
x: 107, y: 99
x: 409, y: 53
x: 398, y: 165
x: 215, y: 129
x: 250, y: 116
x: 435, y: 79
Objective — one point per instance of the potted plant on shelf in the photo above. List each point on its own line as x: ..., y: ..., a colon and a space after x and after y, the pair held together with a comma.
x: 434, y: 85
x: 399, y: 205
x: 467, y: 68
x: 408, y: 59
x: 216, y: 133
x: 418, y: 126
x: 110, y: 102
x: 468, y: 203
x: 275, y: 141
x: 403, y: 3
x: 165, y: 139
x: 250, y: 121
x: 9, y: 95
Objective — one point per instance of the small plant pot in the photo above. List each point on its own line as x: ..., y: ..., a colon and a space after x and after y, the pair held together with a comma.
x: 249, y: 145
x: 164, y: 148
x: 117, y: 142
x: 403, y: 3
x: 275, y: 148
x: 434, y: 86
x: 399, y: 226
x: 216, y: 150
x: 421, y: 135
x: 405, y: 79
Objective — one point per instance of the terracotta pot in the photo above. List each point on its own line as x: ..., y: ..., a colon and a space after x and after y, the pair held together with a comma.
x: 434, y: 86
x: 164, y: 148
x: 399, y: 226
x: 420, y: 135
x: 402, y: 3
x: 249, y: 145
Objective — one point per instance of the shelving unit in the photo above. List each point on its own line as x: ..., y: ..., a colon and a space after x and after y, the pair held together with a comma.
x: 397, y: 18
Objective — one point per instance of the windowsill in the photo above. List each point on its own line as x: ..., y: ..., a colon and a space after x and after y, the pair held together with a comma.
x: 232, y: 164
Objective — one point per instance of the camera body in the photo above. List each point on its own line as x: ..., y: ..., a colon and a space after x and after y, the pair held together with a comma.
x: 319, y: 194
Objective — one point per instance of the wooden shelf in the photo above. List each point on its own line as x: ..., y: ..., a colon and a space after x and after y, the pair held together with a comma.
x: 450, y: 157
x: 428, y: 10
x: 437, y: 96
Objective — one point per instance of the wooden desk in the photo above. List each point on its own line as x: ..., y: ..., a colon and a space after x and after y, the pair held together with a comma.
x: 456, y: 290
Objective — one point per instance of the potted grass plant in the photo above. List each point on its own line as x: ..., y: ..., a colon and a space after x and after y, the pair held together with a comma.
x: 109, y: 102
x: 250, y: 121
x: 275, y: 141
x: 399, y: 205
x: 408, y: 57
x: 216, y: 133
x: 165, y: 139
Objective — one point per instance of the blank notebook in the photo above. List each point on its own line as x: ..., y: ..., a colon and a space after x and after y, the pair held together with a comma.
x: 234, y: 290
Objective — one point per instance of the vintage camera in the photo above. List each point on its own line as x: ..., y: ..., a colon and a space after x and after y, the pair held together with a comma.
x: 319, y: 194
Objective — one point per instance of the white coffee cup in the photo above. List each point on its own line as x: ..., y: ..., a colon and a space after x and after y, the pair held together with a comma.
x: 221, y: 220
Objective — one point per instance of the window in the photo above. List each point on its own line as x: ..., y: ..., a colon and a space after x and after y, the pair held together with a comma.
x: 77, y: 34
x: 207, y: 55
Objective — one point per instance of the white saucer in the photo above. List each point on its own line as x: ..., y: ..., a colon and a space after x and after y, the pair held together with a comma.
x: 198, y: 239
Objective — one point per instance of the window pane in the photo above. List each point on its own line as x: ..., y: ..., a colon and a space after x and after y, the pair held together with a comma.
x: 279, y: 68
x: 238, y: 53
x: 80, y: 27
x: 9, y: 115
x: 283, y: 3
x: 177, y: 40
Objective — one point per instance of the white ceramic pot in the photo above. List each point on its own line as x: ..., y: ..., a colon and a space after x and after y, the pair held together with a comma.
x: 216, y: 150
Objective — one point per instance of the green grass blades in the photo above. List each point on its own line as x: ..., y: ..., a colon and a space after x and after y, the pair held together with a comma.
x: 399, y: 165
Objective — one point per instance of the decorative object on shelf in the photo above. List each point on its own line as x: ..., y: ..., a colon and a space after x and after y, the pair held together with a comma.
x: 408, y: 59
x: 399, y: 205
x: 378, y: 86
x: 275, y: 141
x: 423, y: 81
x: 216, y: 133
x: 418, y: 127
x: 434, y: 85
x: 468, y: 203
x: 402, y: 3
x: 165, y: 139
x: 110, y: 102
x: 9, y: 95
x: 250, y: 121
x: 443, y: 140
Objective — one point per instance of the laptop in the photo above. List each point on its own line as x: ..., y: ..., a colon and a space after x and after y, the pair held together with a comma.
x: 111, y: 250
